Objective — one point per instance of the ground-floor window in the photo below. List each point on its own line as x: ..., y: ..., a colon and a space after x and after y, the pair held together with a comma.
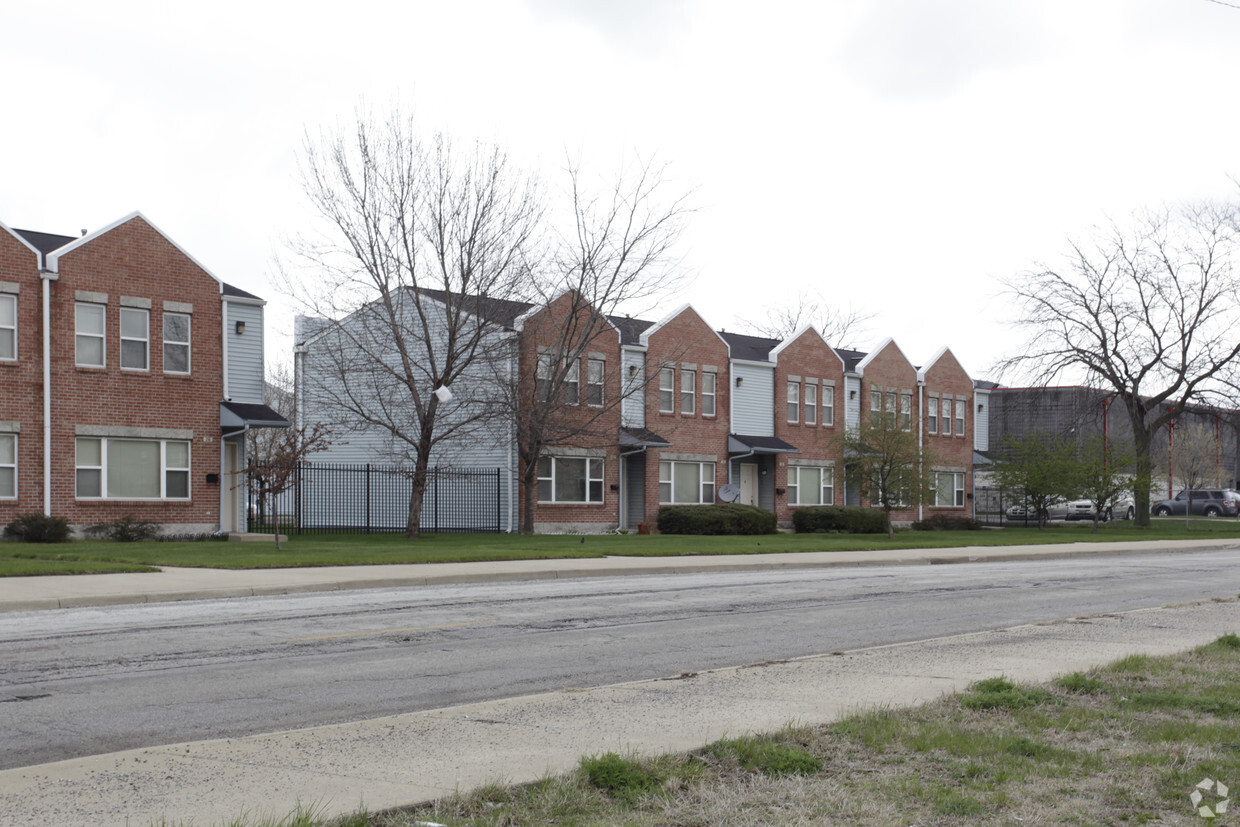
x: 810, y: 486
x: 132, y: 469
x: 948, y: 488
x: 570, y: 480
x: 8, y: 466
x: 686, y: 483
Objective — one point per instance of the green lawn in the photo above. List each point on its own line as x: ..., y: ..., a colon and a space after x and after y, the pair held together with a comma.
x: 85, y: 556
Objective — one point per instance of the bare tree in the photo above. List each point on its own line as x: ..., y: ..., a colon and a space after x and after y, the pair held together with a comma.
x: 838, y: 325
x: 617, y: 252
x: 887, y: 464
x: 1148, y: 312
x: 272, y: 468
x: 422, y: 243
x: 1194, y: 458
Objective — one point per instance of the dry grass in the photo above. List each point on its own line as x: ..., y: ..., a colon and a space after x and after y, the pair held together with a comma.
x: 1124, y: 744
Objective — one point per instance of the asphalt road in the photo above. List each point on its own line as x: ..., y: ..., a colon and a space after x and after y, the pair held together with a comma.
x: 89, y: 681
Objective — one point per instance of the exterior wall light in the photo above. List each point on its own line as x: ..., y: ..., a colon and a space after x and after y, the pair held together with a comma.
x: 740, y: 381
x: 240, y: 328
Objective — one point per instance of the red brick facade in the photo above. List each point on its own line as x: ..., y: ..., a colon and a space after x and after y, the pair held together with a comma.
x: 130, y: 265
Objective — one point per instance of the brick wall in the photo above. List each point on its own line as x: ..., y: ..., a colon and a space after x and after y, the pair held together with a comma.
x: 810, y: 363
x: 21, y: 381
x: 134, y: 261
x: 950, y: 451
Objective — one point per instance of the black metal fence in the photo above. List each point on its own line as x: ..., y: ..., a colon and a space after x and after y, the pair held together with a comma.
x: 333, y: 498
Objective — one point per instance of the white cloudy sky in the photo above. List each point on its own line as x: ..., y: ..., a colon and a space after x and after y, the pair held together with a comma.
x: 898, y: 156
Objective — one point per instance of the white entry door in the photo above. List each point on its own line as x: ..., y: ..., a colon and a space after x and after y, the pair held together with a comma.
x: 749, y: 484
x: 229, y: 511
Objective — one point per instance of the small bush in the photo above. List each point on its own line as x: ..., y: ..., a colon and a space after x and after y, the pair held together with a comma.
x: 767, y: 756
x: 1228, y: 641
x: 728, y: 518
x: 621, y: 778
x: 38, y: 528
x: 850, y: 519
x: 947, y: 522
x: 1079, y: 683
x: 127, y: 529
x: 1000, y: 693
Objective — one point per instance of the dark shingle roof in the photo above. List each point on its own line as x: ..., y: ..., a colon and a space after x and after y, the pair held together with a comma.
x: 44, y: 242
x: 851, y: 358
x: 229, y: 290
x: 753, y: 348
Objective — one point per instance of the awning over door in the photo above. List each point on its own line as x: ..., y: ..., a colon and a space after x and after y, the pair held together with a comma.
x: 745, y: 444
x: 235, y: 415
x: 641, y: 438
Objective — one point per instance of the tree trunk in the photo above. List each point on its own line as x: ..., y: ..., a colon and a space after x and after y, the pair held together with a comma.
x: 529, y: 494
x: 1141, y: 485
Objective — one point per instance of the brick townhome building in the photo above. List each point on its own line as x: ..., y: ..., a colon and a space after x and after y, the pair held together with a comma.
x: 703, y: 416
x: 128, y: 377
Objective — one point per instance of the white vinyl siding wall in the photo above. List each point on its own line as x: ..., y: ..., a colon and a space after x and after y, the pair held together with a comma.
x: 245, y: 352
x: 753, y: 403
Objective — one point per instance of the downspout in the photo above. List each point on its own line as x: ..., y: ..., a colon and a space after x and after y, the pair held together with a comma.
x: 47, y: 277
x: 737, y: 458
x: 921, y: 440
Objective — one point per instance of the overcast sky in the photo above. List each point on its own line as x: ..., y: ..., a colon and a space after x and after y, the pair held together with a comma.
x: 898, y: 156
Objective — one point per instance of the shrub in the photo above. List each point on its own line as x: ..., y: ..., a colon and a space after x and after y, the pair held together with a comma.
x: 1000, y: 693
x: 1080, y: 684
x: 728, y: 518
x: 768, y: 756
x: 621, y: 778
x: 127, y: 529
x: 38, y: 528
x: 847, y: 518
x: 947, y: 522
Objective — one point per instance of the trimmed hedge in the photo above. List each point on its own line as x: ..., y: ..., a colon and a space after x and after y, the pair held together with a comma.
x: 850, y: 519
x: 728, y: 518
x: 947, y: 522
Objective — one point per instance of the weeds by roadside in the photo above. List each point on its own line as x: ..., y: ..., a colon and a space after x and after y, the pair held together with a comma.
x: 1124, y: 744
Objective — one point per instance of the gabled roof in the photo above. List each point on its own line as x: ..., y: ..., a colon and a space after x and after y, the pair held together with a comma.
x: 502, y: 312
x: 750, y: 348
x: 921, y: 372
x: 44, y: 242
x: 52, y: 258
x: 865, y: 360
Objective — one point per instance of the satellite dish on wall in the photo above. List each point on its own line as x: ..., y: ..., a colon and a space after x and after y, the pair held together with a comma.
x: 728, y: 493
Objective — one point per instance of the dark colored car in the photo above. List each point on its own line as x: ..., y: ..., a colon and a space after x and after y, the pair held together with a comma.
x: 1206, y: 502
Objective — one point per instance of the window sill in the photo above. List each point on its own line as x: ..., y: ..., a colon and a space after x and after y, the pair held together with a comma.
x: 572, y: 503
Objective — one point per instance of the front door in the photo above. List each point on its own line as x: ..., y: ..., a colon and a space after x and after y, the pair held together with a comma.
x: 749, y: 484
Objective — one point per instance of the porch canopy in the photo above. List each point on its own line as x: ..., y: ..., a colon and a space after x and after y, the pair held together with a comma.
x: 641, y: 438
x: 236, y: 415
x: 745, y: 444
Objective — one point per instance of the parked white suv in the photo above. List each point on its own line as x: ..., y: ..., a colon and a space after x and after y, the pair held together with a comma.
x: 1123, y: 507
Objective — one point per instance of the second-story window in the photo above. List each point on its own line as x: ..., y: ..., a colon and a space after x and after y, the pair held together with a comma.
x: 828, y: 404
x: 688, y: 391
x: 906, y: 411
x: 542, y: 384
x: 960, y: 403
x: 932, y: 414
x: 947, y: 416
x: 876, y: 406
x: 667, y: 390
x: 176, y: 343
x: 794, y: 401
x: 709, y: 383
x: 89, y: 326
x: 8, y: 328
x: 572, y: 383
x: 811, y: 404
x: 595, y: 372
x: 135, y: 338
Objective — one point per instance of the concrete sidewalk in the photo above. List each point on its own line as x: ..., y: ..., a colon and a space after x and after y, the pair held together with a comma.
x: 19, y: 594
x: 404, y: 759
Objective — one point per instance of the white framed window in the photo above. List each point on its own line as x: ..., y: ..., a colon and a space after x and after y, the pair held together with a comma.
x: 876, y: 406
x: 811, y: 404
x: 810, y: 486
x: 686, y: 483
x: 667, y: 390
x: 794, y: 401
x: 949, y: 489
x: 8, y: 327
x: 688, y: 391
x: 176, y: 342
x: 596, y: 371
x: 89, y: 325
x: 109, y: 468
x: 710, y: 383
x: 135, y: 338
x: 570, y: 480
x: 932, y: 414
x: 828, y: 404
x: 572, y: 382
x: 947, y: 417
x: 893, y: 410
x: 906, y: 410
x: 8, y: 466
x: 960, y: 405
